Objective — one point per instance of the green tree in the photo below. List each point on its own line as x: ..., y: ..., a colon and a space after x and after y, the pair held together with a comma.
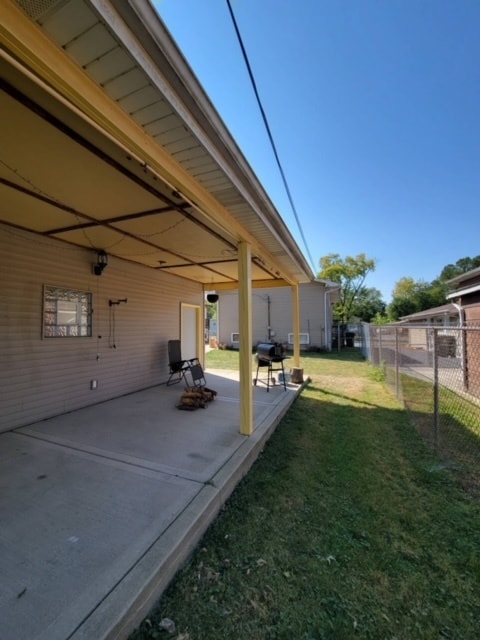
x: 368, y: 304
x: 404, y: 288
x: 461, y: 266
x: 400, y: 307
x: 350, y: 272
x: 380, y: 318
x: 211, y: 310
x: 410, y: 296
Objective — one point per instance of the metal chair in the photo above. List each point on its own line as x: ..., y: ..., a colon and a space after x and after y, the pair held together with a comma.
x: 179, y: 367
x: 197, y: 375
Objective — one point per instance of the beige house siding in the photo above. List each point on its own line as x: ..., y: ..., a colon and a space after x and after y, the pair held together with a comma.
x: 45, y: 377
x: 227, y: 322
x: 418, y: 338
x: 278, y: 303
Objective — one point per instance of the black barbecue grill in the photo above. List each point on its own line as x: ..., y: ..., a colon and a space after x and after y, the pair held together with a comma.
x: 270, y: 356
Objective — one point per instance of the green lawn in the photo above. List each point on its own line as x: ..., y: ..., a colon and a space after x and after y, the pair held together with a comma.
x: 222, y: 359
x: 457, y: 433
x: 346, y: 527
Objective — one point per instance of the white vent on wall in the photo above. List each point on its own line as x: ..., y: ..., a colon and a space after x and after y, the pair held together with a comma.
x: 304, y: 338
x: 235, y: 337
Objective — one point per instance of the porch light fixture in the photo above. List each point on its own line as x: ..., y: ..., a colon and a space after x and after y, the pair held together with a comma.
x: 212, y: 297
x: 102, y: 261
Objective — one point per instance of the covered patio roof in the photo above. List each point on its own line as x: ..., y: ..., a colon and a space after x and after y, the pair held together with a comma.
x: 113, y: 145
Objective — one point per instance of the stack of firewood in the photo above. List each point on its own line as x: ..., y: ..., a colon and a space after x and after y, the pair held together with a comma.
x: 196, y: 398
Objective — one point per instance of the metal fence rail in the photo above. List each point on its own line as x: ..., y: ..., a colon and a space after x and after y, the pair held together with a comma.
x: 435, y: 372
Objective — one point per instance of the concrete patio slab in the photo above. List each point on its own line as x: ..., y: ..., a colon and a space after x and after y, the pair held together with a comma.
x: 100, y: 507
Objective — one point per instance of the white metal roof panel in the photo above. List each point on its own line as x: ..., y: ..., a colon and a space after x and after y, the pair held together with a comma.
x: 125, y: 83
x: 145, y: 98
x: 68, y: 20
x: 90, y: 45
x: 110, y: 65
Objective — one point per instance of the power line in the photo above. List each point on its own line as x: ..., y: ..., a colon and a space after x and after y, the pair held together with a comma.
x: 269, y: 133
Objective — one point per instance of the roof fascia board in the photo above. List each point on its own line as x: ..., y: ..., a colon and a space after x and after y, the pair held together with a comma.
x: 328, y: 283
x: 465, y: 276
x: 442, y: 310
x: 23, y: 38
x: 256, y: 284
x: 463, y: 292
x: 245, y: 181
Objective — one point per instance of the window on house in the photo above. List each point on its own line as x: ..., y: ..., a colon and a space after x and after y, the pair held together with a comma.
x: 304, y: 338
x: 67, y: 313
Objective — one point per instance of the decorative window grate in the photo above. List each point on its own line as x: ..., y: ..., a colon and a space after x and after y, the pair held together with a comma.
x: 67, y: 313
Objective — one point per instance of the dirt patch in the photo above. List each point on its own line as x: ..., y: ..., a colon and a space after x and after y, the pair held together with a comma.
x: 338, y: 384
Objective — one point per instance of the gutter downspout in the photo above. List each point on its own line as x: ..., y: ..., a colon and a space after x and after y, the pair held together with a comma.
x: 327, y: 320
x: 463, y: 335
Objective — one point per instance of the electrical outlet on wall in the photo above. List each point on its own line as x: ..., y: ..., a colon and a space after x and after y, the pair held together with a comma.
x: 93, y: 384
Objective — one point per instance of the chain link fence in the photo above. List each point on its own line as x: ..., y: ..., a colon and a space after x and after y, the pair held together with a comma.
x: 435, y: 372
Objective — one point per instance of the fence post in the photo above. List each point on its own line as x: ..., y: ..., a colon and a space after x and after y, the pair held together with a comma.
x: 397, y: 381
x: 463, y: 335
x: 380, y: 347
x: 436, y: 407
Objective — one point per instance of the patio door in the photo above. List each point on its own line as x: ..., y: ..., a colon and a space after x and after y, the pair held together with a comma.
x: 190, y: 331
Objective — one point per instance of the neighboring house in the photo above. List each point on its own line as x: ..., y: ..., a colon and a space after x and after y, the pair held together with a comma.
x: 446, y: 315
x: 465, y: 295
x: 416, y: 337
x: 272, y: 315
x: 123, y: 199
x: 459, y: 323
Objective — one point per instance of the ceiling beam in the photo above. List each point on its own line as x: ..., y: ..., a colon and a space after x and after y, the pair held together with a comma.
x: 256, y: 284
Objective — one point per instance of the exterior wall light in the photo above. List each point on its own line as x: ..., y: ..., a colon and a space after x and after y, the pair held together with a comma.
x: 102, y: 261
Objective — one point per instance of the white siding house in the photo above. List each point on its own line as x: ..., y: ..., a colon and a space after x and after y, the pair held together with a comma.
x: 272, y: 319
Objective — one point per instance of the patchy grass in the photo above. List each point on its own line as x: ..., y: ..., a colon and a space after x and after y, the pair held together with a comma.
x: 344, y: 528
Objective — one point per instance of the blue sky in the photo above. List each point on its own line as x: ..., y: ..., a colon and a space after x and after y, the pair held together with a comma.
x: 374, y: 106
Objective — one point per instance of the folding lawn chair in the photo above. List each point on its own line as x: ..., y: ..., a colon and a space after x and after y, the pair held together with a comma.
x: 197, y: 375
x: 179, y: 367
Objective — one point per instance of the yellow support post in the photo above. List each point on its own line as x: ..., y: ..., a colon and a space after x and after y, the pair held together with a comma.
x: 296, y: 325
x: 245, y: 329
